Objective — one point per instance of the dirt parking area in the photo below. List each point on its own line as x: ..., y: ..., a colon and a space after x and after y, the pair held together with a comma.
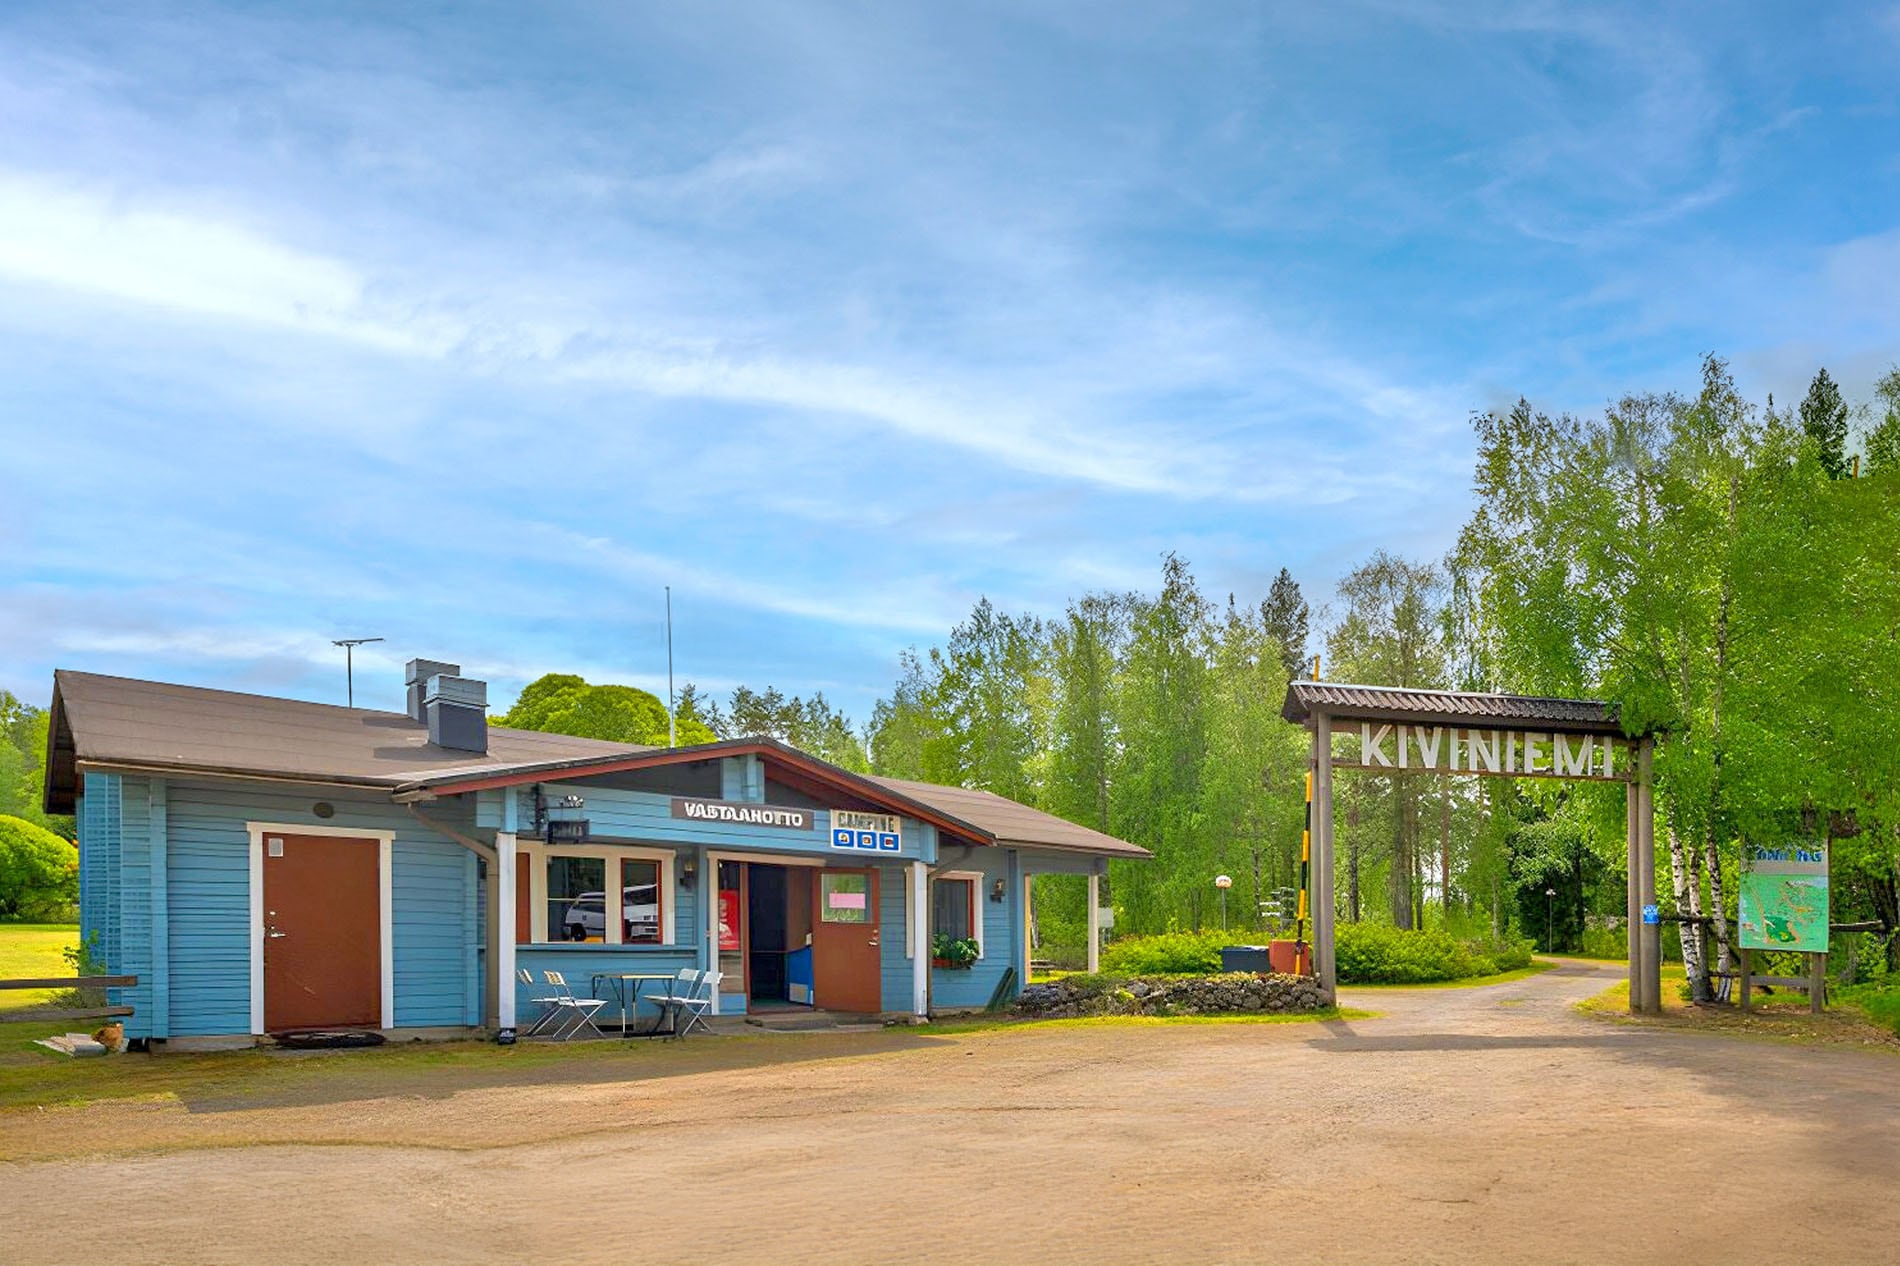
x: 1462, y: 1125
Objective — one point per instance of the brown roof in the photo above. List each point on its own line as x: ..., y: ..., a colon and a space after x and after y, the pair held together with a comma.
x: 1446, y: 707
x: 1012, y: 822
x: 155, y: 725
x: 125, y: 723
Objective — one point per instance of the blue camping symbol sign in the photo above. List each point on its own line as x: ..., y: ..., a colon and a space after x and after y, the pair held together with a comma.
x: 866, y: 832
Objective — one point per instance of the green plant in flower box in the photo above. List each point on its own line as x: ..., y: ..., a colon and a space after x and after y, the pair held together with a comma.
x: 952, y: 951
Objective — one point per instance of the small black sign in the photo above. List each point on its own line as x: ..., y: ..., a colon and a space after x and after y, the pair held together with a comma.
x: 742, y: 813
x: 567, y: 830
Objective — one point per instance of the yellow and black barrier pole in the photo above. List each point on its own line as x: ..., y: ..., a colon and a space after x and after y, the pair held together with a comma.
x: 1306, y: 863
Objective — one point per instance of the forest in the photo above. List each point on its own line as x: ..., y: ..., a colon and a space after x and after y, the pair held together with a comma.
x: 1723, y: 571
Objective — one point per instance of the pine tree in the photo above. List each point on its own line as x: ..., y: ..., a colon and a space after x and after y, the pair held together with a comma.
x: 1824, y: 418
x: 1284, y: 615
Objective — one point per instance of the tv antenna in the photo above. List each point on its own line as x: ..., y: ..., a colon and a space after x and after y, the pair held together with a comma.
x: 349, y: 645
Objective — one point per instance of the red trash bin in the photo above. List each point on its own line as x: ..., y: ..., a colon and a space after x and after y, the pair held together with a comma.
x: 1290, y: 958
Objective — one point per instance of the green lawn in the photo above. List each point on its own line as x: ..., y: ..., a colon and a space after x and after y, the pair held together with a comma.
x: 33, y: 949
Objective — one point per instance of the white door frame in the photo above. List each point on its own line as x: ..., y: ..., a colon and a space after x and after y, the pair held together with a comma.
x: 385, y: 848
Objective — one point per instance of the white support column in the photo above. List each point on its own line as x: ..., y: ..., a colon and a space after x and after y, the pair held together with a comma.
x: 1095, y: 923
x: 1029, y: 917
x: 504, y: 924
x: 920, y: 940
x: 709, y: 919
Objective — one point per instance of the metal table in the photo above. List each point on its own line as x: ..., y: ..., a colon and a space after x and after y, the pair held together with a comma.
x: 627, y: 991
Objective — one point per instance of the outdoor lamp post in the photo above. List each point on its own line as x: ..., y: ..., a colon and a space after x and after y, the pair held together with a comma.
x: 1223, y: 882
x: 1550, y: 906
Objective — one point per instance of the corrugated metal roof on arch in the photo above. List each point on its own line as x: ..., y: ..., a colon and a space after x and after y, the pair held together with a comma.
x: 1447, y: 707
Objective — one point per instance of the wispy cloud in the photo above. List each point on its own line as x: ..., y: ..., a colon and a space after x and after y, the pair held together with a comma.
x: 834, y: 319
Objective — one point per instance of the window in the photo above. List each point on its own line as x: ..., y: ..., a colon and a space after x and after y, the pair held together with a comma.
x: 577, y: 898
x: 844, y: 898
x: 564, y: 895
x: 640, y: 902
x: 953, y: 908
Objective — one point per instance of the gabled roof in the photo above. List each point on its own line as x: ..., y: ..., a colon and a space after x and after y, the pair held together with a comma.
x: 156, y: 725
x: 123, y: 723
x: 1011, y: 822
x: 1446, y: 707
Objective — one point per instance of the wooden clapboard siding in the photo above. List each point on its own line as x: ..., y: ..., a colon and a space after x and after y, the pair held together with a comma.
x: 99, y: 823
x: 950, y: 988
x: 133, y: 957
x: 208, y: 893
x: 432, y: 926
x: 435, y: 928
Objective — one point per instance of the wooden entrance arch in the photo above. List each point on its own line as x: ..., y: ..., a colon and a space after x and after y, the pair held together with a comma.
x: 1394, y: 731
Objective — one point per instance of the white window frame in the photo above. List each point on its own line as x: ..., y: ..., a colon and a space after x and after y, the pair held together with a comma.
x: 538, y: 853
x: 976, y: 880
x: 385, y: 900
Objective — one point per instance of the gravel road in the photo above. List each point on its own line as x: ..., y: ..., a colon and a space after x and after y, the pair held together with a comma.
x: 1461, y: 1125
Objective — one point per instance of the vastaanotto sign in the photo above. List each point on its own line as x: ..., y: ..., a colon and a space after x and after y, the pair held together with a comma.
x: 1446, y: 749
x: 1783, y: 902
x: 866, y: 832
x: 742, y: 813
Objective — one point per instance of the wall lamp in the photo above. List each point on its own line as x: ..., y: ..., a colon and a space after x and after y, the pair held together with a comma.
x: 996, y: 891
x: 689, y: 871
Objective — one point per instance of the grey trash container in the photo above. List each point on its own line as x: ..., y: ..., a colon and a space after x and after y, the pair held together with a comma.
x: 1252, y: 958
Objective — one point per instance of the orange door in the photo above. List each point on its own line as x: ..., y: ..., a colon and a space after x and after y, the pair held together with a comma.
x: 844, y: 942
x: 323, y: 950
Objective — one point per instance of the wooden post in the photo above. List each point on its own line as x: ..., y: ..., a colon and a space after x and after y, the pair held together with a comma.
x: 1651, y: 936
x: 1748, y: 978
x: 1817, y: 983
x: 1323, y: 965
x: 1633, y: 912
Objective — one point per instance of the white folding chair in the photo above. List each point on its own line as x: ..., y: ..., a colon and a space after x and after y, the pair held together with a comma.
x: 582, y: 1009
x: 697, y: 1007
x: 544, y: 1001
x: 684, y: 984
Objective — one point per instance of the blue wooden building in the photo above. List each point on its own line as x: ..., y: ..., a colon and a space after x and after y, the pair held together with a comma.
x: 265, y: 865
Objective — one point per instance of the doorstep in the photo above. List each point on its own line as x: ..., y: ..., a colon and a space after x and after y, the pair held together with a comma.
x: 803, y: 1021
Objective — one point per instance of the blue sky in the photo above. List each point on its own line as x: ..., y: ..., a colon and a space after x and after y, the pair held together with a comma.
x: 474, y: 327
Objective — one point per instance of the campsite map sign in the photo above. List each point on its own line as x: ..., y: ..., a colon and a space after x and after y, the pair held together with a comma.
x: 1784, y: 897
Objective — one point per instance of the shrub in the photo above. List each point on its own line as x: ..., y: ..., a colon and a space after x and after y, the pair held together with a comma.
x: 39, y: 872
x: 1375, y: 954
x: 1604, y: 942
x: 1169, y: 954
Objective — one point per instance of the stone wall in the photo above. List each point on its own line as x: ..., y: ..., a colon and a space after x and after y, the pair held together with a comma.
x: 1172, y: 995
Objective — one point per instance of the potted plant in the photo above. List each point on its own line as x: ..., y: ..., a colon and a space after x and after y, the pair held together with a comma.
x: 956, y: 953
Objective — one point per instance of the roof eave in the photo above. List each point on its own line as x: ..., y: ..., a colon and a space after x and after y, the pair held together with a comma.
x: 547, y: 771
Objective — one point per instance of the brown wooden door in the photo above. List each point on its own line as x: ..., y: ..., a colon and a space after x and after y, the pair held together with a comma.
x: 844, y: 941
x: 323, y: 950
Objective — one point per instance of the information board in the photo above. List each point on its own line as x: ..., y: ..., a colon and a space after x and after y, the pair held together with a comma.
x: 1783, y: 902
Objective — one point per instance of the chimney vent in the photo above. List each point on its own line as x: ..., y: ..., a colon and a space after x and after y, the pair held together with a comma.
x: 457, y: 712
x: 416, y: 677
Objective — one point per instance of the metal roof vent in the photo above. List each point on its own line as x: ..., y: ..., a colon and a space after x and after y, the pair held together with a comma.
x: 457, y: 712
x: 416, y: 676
